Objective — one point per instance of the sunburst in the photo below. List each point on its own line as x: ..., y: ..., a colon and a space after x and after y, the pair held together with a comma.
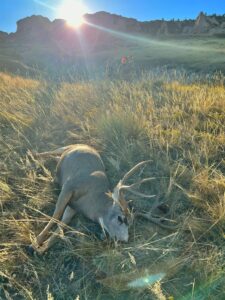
x: 72, y: 11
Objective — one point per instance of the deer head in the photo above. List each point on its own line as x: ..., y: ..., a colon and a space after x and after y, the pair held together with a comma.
x: 118, y: 217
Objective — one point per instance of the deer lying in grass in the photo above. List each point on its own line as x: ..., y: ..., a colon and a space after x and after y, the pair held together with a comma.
x: 85, y: 189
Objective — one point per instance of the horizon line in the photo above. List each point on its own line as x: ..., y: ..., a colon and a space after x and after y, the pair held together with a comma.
x: 140, y: 21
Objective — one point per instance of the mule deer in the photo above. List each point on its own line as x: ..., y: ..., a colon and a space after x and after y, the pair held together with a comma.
x: 85, y: 189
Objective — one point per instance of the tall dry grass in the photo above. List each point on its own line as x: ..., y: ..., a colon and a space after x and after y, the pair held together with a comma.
x: 176, y: 121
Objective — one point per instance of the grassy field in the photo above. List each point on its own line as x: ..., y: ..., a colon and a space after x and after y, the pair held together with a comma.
x: 195, y: 53
x: 174, y: 119
x: 202, y: 54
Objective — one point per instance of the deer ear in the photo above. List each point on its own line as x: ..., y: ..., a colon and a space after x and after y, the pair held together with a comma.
x: 123, y: 203
x: 109, y: 194
x: 126, y: 209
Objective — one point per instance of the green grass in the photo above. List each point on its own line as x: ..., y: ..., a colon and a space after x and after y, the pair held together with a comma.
x: 194, y: 53
x: 174, y: 119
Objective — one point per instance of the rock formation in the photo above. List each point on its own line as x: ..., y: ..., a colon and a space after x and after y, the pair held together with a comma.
x: 208, y: 25
x: 3, y: 36
x: 39, y: 41
x: 38, y: 28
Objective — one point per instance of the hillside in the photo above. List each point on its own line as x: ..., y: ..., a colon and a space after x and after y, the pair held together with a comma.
x: 47, y: 46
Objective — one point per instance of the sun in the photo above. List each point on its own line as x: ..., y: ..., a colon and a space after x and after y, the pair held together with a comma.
x: 72, y: 11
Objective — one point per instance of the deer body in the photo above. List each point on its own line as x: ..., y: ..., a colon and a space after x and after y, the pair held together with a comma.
x: 82, y: 171
x: 85, y: 189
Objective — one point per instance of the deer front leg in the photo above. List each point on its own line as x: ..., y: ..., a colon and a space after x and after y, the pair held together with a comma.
x: 66, y: 218
x: 62, y: 202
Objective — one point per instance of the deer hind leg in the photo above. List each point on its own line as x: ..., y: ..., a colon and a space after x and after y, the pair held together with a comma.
x: 56, y: 153
x: 61, y: 204
x: 66, y: 218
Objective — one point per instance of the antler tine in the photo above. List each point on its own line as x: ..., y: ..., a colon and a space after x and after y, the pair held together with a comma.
x: 126, y: 187
x: 139, y: 193
x: 157, y: 221
x: 130, y: 187
x: 120, y: 186
x: 131, y: 172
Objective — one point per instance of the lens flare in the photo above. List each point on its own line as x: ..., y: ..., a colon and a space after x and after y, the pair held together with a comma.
x: 72, y: 11
x: 146, y: 281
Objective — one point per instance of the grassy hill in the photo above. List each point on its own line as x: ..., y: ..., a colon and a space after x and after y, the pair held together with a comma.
x: 199, y: 54
x: 53, y: 50
x: 173, y: 118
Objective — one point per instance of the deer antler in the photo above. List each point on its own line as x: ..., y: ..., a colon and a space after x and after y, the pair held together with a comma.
x: 160, y: 221
x: 121, y: 186
x: 133, y: 170
x: 157, y: 220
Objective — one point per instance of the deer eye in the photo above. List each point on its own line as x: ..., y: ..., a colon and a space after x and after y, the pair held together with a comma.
x: 120, y: 220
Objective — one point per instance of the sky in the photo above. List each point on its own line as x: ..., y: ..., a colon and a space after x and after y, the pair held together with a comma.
x: 13, y: 10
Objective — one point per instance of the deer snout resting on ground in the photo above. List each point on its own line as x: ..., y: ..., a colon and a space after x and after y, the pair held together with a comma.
x: 85, y: 189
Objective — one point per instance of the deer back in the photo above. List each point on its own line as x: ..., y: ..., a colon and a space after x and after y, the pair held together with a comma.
x: 77, y: 163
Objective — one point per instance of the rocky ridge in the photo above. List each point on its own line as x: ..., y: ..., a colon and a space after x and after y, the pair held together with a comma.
x: 42, y: 27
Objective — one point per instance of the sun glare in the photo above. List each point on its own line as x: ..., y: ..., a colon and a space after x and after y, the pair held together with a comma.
x: 72, y: 11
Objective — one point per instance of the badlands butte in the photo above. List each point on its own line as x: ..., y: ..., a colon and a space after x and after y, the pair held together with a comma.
x: 104, y: 38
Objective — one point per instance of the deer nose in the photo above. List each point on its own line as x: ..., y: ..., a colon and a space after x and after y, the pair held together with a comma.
x: 125, y: 237
x: 125, y: 240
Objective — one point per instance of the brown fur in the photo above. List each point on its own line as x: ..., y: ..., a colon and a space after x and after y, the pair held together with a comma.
x: 85, y: 189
